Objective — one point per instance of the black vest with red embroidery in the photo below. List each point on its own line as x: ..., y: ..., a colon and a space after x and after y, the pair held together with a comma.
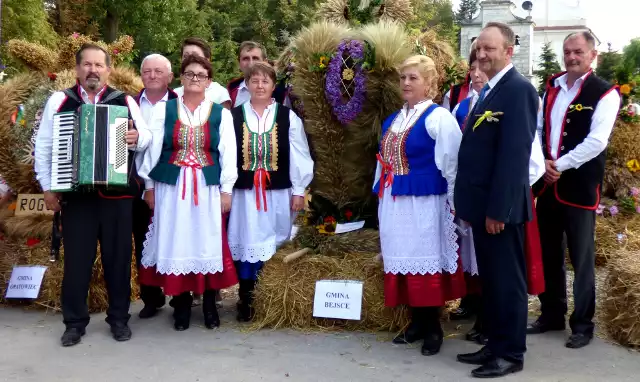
x: 119, y: 99
x: 576, y: 187
x: 274, y: 144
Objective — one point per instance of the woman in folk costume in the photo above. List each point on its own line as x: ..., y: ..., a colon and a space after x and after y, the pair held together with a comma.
x: 274, y: 169
x: 189, y: 173
x: 533, y: 250
x: 415, y: 179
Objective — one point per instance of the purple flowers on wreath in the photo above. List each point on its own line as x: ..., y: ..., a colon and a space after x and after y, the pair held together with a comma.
x: 346, y: 81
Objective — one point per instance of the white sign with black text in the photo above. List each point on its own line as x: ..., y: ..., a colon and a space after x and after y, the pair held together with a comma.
x: 25, y: 282
x: 338, y: 299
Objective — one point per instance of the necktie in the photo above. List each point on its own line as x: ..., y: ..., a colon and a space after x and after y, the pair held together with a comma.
x: 483, y: 92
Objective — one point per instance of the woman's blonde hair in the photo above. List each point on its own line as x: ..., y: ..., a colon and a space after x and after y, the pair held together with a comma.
x: 427, y: 69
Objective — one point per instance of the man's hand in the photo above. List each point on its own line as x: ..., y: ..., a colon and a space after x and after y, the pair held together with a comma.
x: 297, y: 203
x: 225, y: 202
x: 52, y: 201
x: 150, y: 198
x: 494, y: 227
x: 552, y: 174
x: 131, y: 136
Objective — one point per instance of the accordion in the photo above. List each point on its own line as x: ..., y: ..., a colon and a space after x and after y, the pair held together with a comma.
x: 89, y: 148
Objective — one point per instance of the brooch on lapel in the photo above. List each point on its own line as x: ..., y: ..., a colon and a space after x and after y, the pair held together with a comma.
x: 579, y: 107
x: 489, y: 116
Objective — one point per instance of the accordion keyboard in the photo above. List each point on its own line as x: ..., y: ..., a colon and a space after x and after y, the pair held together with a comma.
x: 62, y: 174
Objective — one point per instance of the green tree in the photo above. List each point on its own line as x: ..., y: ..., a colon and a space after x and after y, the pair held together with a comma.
x: 437, y: 15
x: 631, y: 56
x: 27, y: 19
x: 608, y: 65
x: 466, y: 10
x: 548, y: 66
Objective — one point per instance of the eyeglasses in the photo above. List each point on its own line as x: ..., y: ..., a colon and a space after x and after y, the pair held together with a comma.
x: 195, y: 77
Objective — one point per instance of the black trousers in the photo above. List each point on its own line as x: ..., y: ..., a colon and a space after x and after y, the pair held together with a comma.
x: 150, y: 295
x: 555, y: 220
x: 87, y: 219
x: 502, y: 268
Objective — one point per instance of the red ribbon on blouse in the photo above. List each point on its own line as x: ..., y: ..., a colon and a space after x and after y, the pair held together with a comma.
x: 386, y: 175
x: 193, y: 167
x: 261, y: 178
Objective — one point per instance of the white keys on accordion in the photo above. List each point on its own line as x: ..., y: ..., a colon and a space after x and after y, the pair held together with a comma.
x: 62, y: 152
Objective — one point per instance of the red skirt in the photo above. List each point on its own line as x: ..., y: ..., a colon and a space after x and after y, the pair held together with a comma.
x: 197, y: 283
x: 533, y: 258
x: 423, y: 290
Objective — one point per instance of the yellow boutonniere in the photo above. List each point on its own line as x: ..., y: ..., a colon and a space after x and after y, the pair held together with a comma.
x: 579, y: 107
x: 489, y: 116
x: 633, y: 165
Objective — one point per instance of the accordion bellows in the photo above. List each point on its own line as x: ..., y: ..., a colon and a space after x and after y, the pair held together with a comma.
x: 89, y: 148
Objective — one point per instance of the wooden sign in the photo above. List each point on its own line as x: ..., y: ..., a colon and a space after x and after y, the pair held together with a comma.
x: 31, y: 204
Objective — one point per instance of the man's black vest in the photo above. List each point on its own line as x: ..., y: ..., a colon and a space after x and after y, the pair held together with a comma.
x: 109, y: 96
x: 576, y: 187
x: 279, y: 179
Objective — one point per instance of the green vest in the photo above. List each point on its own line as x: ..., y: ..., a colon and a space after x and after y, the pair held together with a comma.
x: 166, y: 170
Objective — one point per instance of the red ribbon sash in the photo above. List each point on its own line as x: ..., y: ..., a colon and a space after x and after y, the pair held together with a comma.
x: 386, y: 175
x: 260, y: 180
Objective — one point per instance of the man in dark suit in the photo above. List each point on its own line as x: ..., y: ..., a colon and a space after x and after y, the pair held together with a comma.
x: 492, y: 193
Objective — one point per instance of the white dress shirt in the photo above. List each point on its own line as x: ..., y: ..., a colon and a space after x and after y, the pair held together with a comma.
x: 244, y: 96
x: 146, y: 107
x: 215, y: 93
x: 494, y: 81
x: 602, y: 121
x: 226, y: 146
x: 44, y: 138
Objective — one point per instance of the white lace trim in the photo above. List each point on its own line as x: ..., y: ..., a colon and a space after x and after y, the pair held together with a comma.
x: 175, y: 265
x: 401, y: 262
x: 252, y: 253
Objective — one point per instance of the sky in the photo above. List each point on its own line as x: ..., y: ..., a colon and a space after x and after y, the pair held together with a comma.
x: 615, y: 21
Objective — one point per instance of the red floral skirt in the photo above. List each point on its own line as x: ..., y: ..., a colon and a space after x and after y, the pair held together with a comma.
x: 197, y: 283
x: 423, y: 290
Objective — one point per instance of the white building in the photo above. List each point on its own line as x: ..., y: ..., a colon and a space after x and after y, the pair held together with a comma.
x: 547, y: 21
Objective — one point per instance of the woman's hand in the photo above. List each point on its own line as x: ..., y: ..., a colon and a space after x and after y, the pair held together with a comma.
x: 150, y: 198
x: 297, y: 203
x: 225, y: 202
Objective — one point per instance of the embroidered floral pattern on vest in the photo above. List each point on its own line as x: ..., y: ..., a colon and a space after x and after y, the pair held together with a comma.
x: 260, y: 151
x: 394, y: 152
x: 191, y: 146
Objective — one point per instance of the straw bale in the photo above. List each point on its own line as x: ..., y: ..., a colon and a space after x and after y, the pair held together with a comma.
x: 441, y: 52
x: 15, y: 252
x: 621, y: 305
x: 34, y: 56
x: 614, y: 234
x: 285, y: 292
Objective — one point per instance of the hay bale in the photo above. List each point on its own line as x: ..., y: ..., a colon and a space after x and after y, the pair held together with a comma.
x: 614, y: 234
x: 14, y: 252
x: 624, y: 146
x: 622, y: 303
x: 285, y: 291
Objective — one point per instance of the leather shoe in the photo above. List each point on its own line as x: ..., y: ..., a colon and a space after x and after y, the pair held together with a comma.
x: 148, y: 311
x: 540, y: 326
x: 498, y: 367
x: 431, y: 345
x: 461, y: 313
x: 578, y: 340
x: 480, y: 357
x: 413, y: 333
x: 121, y: 332
x: 474, y: 335
x: 72, y: 336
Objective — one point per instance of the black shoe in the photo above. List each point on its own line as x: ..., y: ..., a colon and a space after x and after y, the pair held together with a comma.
x: 148, y: 311
x: 480, y: 357
x: 431, y: 345
x: 461, y: 313
x: 72, y: 336
x: 578, y: 340
x: 121, y: 332
x: 498, y: 367
x: 542, y: 326
x: 211, y: 318
x: 414, y: 333
x: 474, y: 335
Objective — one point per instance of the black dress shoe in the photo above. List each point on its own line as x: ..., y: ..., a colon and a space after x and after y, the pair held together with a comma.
x: 476, y: 336
x: 461, y: 313
x: 72, y: 336
x: 431, y: 345
x: 480, y: 357
x: 148, y: 311
x: 578, y: 340
x: 121, y: 332
x: 542, y: 326
x: 498, y: 367
x: 413, y: 333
